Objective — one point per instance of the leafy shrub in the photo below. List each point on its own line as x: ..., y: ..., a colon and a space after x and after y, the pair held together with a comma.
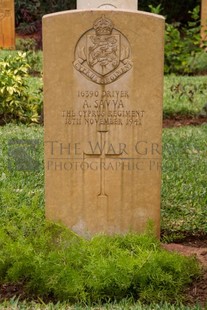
x: 17, y: 102
x: 183, y: 51
x: 54, y: 262
x: 198, y: 63
x: 26, y: 44
x: 173, y: 10
x: 33, y: 56
x: 27, y: 15
x: 34, y: 59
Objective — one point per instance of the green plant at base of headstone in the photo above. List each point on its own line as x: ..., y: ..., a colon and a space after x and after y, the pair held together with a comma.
x: 52, y: 261
x: 17, y: 103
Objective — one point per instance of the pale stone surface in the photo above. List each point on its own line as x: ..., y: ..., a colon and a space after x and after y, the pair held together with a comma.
x: 103, y: 84
x: 7, y: 27
x: 104, y: 4
x: 204, y: 19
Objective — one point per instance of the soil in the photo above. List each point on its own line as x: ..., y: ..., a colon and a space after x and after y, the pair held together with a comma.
x: 197, y: 292
x: 179, y: 121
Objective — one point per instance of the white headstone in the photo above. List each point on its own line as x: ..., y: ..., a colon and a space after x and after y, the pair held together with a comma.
x: 104, y: 4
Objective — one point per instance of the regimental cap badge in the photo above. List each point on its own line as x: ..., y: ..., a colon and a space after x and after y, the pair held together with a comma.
x: 103, y: 26
x: 103, y: 53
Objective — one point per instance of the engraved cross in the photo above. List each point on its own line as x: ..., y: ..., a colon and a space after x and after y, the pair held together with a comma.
x: 102, y: 155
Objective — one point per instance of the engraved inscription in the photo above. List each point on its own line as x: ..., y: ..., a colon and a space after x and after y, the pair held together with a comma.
x: 103, y: 53
x: 103, y: 107
x: 94, y: 117
x: 4, y: 13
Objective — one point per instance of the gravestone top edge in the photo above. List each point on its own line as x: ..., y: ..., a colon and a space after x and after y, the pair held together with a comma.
x: 143, y: 13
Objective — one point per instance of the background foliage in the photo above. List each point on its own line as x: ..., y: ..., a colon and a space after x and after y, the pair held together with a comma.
x: 18, y: 102
x: 29, y: 12
x: 177, y: 10
x: 184, y: 53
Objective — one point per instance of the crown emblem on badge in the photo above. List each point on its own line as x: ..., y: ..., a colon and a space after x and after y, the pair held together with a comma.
x: 103, y: 53
x: 103, y: 26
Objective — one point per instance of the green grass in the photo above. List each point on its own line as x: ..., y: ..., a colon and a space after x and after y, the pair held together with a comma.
x: 123, y: 305
x: 184, y: 192
x: 17, y: 187
x: 24, y: 236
